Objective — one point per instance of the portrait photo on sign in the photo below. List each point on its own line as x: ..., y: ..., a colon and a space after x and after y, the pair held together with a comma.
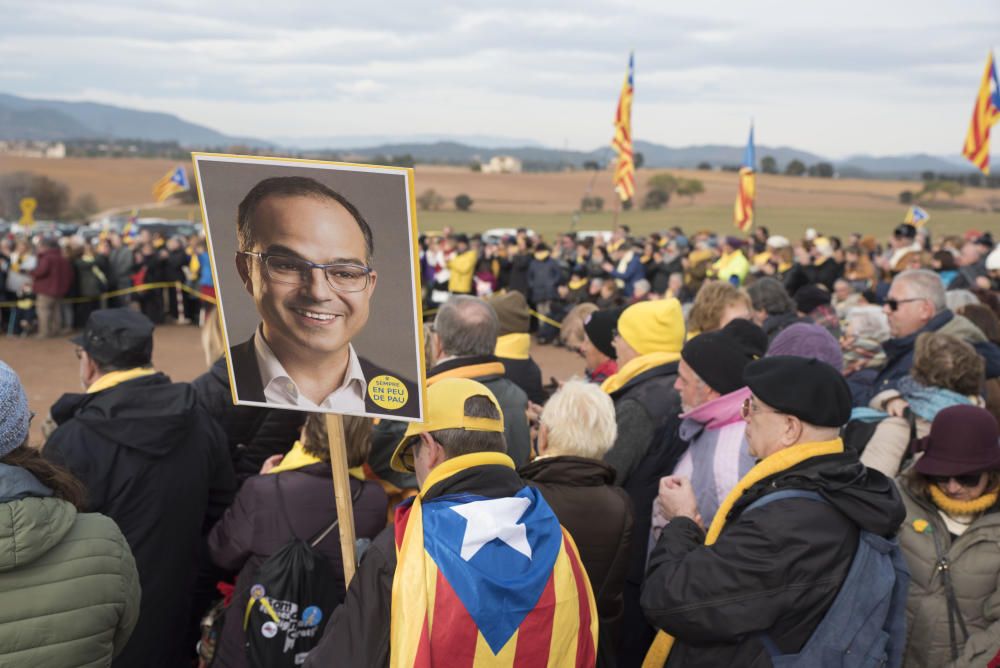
x: 317, y: 283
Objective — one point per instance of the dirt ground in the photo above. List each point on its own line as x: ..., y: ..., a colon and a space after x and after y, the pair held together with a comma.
x: 48, y: 368
x: 125, y: 182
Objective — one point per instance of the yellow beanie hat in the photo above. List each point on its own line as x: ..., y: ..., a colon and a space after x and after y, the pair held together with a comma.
x: 653, y: 327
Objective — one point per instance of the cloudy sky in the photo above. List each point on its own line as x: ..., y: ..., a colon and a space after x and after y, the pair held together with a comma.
x: 836, y: 78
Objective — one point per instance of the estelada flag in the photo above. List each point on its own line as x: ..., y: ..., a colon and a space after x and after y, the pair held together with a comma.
x: 175, y: 181
x: 622, y: 141
x: 743, y: 209
x: 489, y: 582
x: 984, y: 115
x: 916, y: 216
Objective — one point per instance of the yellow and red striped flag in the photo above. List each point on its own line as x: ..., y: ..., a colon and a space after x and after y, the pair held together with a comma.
x: 486, y: 582
x: 173, y: 182
x: 984, y: 115
x: 622, y: 143
x: 743, y: 209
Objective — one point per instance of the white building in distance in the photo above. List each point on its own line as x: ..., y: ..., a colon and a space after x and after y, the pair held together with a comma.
x: 502, y: 164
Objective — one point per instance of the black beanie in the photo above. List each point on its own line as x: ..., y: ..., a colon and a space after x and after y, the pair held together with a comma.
x: 811, y: 390
x: 600, y: 328
x: 720, y: 357
x: 810, y: 297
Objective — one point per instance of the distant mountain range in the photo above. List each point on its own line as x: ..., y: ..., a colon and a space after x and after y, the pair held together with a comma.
x: 24, y: 118
x: 52, y: 120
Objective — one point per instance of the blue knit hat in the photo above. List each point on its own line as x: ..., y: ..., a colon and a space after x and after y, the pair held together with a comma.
x: 14, y: 413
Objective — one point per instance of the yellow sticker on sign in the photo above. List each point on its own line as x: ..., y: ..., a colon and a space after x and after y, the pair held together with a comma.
x: 388, y: 392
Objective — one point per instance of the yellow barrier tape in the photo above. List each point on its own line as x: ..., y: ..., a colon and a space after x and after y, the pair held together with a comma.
x: 28, y: 303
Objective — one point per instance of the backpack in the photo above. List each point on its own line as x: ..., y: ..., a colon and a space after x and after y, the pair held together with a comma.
x: 292, y: 595
x: 866, y: 624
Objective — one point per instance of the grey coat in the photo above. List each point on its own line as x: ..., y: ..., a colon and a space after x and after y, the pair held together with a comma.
x: 975, y: 571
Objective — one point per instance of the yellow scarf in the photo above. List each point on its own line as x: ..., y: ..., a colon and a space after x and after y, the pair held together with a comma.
x: 635, y: 367
x: 782, y: 460
x: 954, y: 507
x: 297, y: 458
x: 577, y: 283
x: 513, y: 346
x: 542, y: 256
x: 113, y: 378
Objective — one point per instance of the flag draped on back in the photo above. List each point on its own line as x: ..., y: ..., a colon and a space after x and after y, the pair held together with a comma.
x: 622, y: 142
x: 916, y: 216
x: 488, y: 582
x: 984, y: 115
x: 173, y: 182
x: 743, y: 209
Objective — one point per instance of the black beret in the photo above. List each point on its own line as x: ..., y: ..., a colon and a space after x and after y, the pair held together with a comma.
x: 719, y: 357
x: 600, y: 328
x: 811, y: 390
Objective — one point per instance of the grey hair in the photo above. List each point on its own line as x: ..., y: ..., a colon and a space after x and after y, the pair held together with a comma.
x: 769, y: 295
x: 869, y: 322
x: 466, y: 326
x: 925, y: 284
x: 956, y: 299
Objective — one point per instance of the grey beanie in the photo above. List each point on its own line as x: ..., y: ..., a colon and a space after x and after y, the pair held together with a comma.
x: 14, y: 413
x: 806, y: 339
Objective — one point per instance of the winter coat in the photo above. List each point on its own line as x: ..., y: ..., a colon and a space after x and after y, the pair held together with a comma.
x: 121, y: 261
x: 974, y: 559
x: 53, y: 275
x: 518, y: 277
x: 152, y: 460
x: 598, y: 516
x: 358, y: 631
x: 642, y: 406
x: 543, y: 279
x: 68, y: 579
x: 899, y: 356
x: 90, y: 280
x: 255, y: 527
x: 485, y: 369
x: 173, y: 266
x: 775, y: 569
x: 632, y: 271
x: 252, y: 432
x: 462, y: 267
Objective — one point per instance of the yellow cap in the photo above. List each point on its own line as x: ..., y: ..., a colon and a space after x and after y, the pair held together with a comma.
x: 446, y: 410
x: 653, y: 327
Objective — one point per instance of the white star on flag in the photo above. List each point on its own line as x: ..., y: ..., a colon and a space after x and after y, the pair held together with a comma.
x: 494, y: 518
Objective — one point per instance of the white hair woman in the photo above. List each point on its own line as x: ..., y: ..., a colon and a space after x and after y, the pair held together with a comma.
x: 577, y: 428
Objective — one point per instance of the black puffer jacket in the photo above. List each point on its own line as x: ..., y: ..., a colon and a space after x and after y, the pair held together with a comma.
x: 153, y: 461
x: 253, y: 433
x: 775, y: 569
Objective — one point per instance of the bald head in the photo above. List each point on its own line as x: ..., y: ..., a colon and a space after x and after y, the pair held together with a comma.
x: 466, y: 326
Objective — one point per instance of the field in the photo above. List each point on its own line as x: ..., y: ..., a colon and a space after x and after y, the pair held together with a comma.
x: 547, y: 202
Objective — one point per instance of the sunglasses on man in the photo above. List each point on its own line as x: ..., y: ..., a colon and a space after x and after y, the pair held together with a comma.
x: 893, y: 304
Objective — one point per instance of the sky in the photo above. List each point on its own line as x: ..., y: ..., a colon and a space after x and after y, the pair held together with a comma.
x: 835, y: 78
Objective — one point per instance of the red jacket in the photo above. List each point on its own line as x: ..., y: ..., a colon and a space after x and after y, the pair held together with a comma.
x: 53, y: 276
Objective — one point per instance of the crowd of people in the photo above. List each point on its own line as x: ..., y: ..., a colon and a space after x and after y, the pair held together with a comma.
x: 774, y: 454
x: 49, y: 285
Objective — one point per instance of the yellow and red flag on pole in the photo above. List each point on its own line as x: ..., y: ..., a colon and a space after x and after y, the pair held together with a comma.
x: 984, y: 115
x: 622, y: 143
x: 173, y: 182
x: 743, y: 209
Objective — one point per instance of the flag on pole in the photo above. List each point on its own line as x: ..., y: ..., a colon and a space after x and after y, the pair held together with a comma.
x: 916, y: 216
x: 622, y: 143
x: 743, y: 210
x: 173, y: 182
x: 131, y: 228
x: 984, y: 115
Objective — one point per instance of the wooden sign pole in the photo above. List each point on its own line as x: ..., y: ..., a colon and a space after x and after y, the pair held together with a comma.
x: 342, y: 492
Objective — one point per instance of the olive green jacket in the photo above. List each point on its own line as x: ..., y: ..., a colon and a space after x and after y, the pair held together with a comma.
x: 975, y: 572
x: 68, y: 582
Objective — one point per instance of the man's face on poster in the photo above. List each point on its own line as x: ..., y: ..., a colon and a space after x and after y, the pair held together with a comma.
x: 311, y: 318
